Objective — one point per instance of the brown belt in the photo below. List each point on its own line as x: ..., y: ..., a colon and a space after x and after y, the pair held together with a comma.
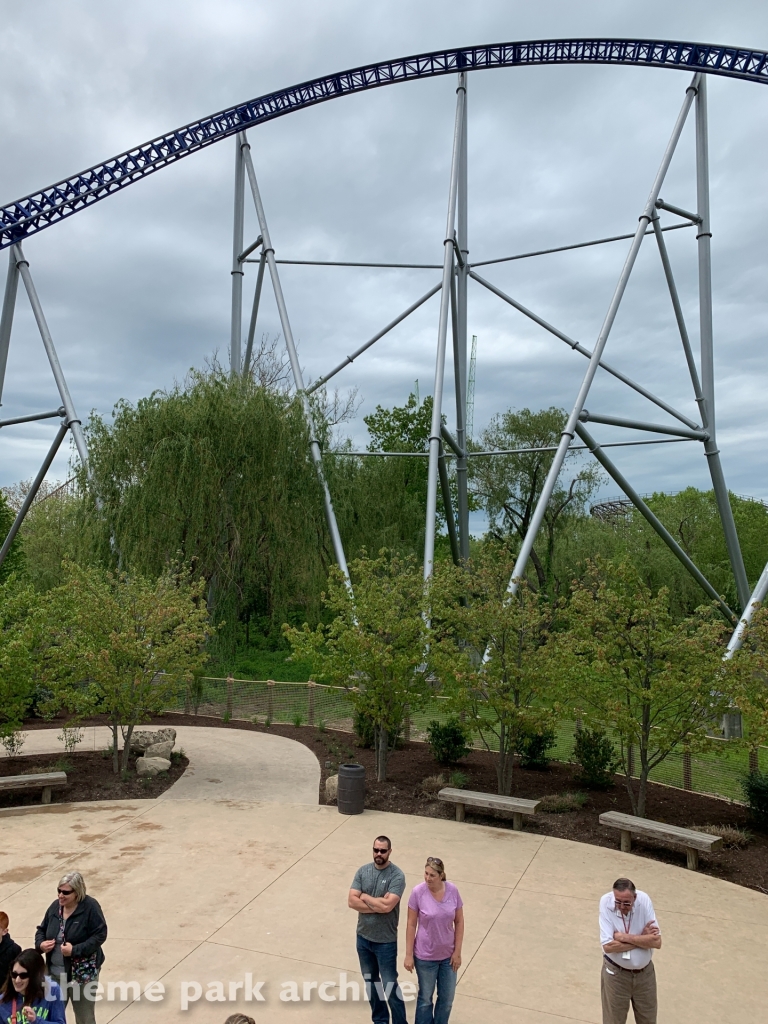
x: 629, y: 970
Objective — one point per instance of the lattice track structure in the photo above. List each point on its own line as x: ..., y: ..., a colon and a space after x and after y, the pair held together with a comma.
x: 24, y: 218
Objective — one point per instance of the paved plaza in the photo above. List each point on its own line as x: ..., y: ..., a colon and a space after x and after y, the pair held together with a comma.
x: 236, y: 870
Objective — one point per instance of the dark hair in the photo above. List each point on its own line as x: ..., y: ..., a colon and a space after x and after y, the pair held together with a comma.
x: 384, y: 839
x: 239, y: 1018
x: 33, y: 963
x: 624, y: 885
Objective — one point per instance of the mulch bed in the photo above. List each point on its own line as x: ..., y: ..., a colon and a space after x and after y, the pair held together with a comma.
x: 408, y: 766
x: 89, y: 777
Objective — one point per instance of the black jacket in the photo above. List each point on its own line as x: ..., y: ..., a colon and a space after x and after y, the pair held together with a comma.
x: 9, y: 950
x: 85, y: 928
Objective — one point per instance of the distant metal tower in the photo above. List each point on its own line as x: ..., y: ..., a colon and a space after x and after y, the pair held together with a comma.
x: 471, y: 389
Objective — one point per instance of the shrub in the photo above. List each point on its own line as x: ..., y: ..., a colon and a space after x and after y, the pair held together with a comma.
x: 561, y: 803
x: 298, y: 719
x: 70, y: 735
x: 755, y: 786
x: 432, y: 785
x: 449, y: 741
x: 13, y: 741
x: 597, y: 757
x: 458, y: 779
x: 534, y: 748
x: 734, y: 838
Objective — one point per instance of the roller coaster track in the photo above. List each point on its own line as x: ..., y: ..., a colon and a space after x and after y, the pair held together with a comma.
x: 40, y: 210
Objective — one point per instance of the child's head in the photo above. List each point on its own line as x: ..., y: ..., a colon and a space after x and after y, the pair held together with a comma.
x: 3, y: 921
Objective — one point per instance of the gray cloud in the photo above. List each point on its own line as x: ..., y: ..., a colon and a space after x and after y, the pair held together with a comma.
x: 136, y: 290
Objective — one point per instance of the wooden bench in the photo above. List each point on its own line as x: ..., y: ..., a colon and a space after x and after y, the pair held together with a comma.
x: 691, y: 841
x: 45, y: 781
x: 513, y: 805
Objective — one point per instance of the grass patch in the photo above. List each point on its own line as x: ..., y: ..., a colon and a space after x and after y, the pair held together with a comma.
x: 562, y: 803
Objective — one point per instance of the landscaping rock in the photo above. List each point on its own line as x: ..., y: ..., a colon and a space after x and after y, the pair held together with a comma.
x: 331, y: 788
x: 152, y: 765
x: 143, y: 738
x: 160, y: 750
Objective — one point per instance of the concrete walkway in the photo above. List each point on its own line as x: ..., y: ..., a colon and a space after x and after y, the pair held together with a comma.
x: 224, y: 764
x: 201, y: 893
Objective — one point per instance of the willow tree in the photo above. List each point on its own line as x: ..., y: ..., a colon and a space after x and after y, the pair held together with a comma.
x: 215, y: 473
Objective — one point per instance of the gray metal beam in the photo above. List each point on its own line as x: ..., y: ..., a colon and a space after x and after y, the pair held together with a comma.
x: 460, y: 338
x: 704, y: 238
x: 254, y: 314
x: 654, y: 428
x: 285, y: 323
x: 573, y: 419
x: 6, y: 317
x: 32, y: 492
x: 236, y: 331
x: 33, y: 417
x: 694, y: 218
x: 756, y: 598
x: 73, y: 420
x: 655, y: 523
x: 450, y: 522
x: 678, y: 310
x: 451, y: 441
x: 587, y: 353
x: 385, y: 330
x: 442, y: 337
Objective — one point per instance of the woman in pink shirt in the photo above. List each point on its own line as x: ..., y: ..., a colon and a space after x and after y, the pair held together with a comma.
x: 433, y: 941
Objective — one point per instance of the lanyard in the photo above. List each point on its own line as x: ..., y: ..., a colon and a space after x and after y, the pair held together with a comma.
x: 13, y: 1012
x: 627, y: 926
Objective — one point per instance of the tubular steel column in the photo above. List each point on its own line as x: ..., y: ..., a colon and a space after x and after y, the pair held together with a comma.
x: 317, y: 455
x: 460, y: 349
x: 704, y: 238
x: 573, y: 419
x: 6, y: 317
x: 442, y: 335
x: 235, y: 341
x: 756, y: 598
x: 72, y: 419
x: 254, y: 315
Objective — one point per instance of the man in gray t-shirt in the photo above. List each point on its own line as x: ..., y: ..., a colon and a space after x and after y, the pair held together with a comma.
x: 375, y: 895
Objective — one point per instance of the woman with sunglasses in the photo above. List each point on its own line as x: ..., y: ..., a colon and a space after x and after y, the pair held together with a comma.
x: 29, y: 996
x: 433, y: 940
x: 71, y: 935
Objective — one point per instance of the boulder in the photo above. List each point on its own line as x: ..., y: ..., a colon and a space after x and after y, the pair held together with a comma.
x: 160, y: 750
x: 152, y: 765
x: 143, y: 738
x: 331, y: 788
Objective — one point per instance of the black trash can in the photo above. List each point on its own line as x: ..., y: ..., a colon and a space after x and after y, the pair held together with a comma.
x: 351, y: 795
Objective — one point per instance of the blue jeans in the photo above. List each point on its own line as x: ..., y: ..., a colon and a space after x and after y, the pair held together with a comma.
x: 431, y: 973
x: 378, y: 965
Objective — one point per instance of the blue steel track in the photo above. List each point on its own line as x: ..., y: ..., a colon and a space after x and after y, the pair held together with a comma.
x: 35, y: 212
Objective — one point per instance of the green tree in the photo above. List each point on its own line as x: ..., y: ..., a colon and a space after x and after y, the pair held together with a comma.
x: 120, y: 644
x: 491, y: 656
x: 15, y: 563
x: 509, y: 486
x: 217, y: 473
x: 628, y: 667
x: 374, y: 645
x: 747, y: 680
x: 17, y: 603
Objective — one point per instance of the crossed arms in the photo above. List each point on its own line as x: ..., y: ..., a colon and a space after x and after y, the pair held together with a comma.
x: 366, y: 904
x: 649, y: 938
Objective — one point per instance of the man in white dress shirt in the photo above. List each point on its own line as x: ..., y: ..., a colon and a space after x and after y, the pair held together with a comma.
x: 629, y: 933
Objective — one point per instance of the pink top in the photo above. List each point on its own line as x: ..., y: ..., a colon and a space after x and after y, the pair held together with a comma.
x: 435, y: 936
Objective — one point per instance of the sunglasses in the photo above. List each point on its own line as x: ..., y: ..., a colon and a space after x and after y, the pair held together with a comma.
x: 377, y: 850
x: 65, y: 892
x: 19, y: 974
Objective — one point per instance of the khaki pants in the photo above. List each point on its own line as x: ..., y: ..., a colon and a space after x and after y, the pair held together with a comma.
x: 619, y: 988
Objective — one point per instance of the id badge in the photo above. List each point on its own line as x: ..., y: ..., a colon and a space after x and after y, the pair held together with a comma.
x: 627, y: 954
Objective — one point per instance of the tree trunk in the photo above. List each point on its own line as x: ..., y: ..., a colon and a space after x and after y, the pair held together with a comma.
x: 115, y: 754
x: 381, y: 737
x: 642, y: 791
x: 127, y: 746
x: 505, y: 763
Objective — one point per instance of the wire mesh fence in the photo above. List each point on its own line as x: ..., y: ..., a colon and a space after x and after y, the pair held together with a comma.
x: 718, y: 771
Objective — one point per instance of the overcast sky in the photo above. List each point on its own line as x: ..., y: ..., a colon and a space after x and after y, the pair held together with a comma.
x: 137, y: 288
